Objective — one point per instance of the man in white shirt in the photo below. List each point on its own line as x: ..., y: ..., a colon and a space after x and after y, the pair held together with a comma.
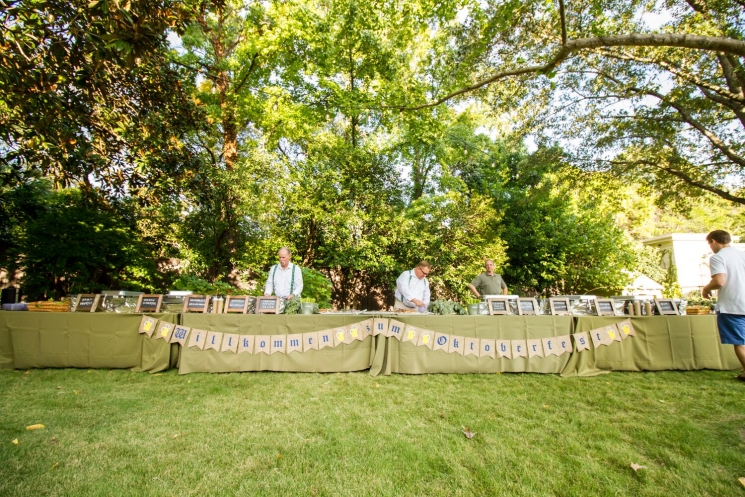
x: 412, y: 288
x: 285, y: 279
x: 728, y: 276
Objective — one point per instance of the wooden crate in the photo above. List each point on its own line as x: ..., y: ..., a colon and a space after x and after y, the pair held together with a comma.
x: 698, y: 309
x: 48, y: 306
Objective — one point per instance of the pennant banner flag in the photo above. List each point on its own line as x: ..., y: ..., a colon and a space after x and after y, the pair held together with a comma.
x: 380, y: 326
x: 396, y: 329
x: 339, y: 336
x: 442, y: 342
x: 613, y: 333
x: 355, y: 332
x: 565, y: 344
x: 519, y: 348
x: 626, y: 328
x: 230, y: 343
x: 550, y: 347
x: 310, y: 341
x: 472, y: 346
x: 582, y: 341
x: 535, y: 348
x: 426, y: 339
x: 487, y: 348
x: 504, y: 349
x: 164, y: 331
x: 262, y: 344
x: 456, y: 344
x: 411, y: 334
x: 295, y: 343
x: 179, y: 335
x: 325, y: 339
x: 148, y: 325
x: 214, y: 339
x: 197, y: 338
x: 278, y: 344
x: 246, y: 344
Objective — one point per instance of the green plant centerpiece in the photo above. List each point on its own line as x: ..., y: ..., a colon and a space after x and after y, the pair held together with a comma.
x: 694, y: 300
x: 473, y: 306
x: 445, y: 307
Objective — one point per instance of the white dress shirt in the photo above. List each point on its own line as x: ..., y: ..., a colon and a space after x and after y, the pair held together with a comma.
x: 279, y: 281
x: 408, y: 287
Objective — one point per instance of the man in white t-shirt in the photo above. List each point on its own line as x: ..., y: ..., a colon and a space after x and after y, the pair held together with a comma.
x: 284, y: 279
x: 728, y: 276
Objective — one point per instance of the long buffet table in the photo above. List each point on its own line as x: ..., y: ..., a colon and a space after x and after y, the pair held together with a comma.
x: 79, y: 340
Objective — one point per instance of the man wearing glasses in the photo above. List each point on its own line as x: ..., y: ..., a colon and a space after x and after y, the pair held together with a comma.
x: 728, y: 276
x: 412, y: 288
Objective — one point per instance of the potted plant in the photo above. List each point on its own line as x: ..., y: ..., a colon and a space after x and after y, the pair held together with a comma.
x: 474, y: 306
x: 307, y: 305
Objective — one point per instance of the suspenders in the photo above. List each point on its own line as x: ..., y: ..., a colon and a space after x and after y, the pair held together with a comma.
x: 292, y: 281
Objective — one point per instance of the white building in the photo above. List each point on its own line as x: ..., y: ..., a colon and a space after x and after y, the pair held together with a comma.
x: 690, y: 255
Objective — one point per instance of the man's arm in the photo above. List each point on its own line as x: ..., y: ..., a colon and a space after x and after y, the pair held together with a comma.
x: 505, y: 291
x: 269, y: 286
x: 473, y: 290
x: 717, y: 282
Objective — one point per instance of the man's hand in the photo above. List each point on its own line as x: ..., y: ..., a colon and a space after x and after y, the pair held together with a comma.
x: 717, y: 282
x: 290, y: 297
x: 418, y: 302
x: 267, y: 295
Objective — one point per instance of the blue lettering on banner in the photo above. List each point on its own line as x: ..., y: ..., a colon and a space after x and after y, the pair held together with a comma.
x: 534, y: 348
x: 472, y: 344
x: 442, y: 340
x: 213, y: 339
x: 518, y: 348
x: 278, y: 343
x: 197, y: 337
x: 598, y: 335
x: 294, y: 343
x: 181, y: 334
x: 262, y: 344
x: 455, y: 343
x: 380, y: 326
x: 245, y: 342
x: 487, y: 348
x: 582, y: 341
x: 549, y: 345
x: 395, y: 329
x: 502, y: 347
x: 310, y: 341
x: 563, y: 344
x: 230, y: 341
x: 325, y: 338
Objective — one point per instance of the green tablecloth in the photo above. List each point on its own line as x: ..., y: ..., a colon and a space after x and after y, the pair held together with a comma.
x: 661, y: 343
x: 78, y: 340
x: 356, y: 356
x: 391, y: 356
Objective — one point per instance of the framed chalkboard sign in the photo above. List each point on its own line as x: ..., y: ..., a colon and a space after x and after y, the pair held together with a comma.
x: 196, y: 303
x: 87, y: 302
x: 267, y: 305
x: 237, y: 303
x: 498, y: 306
x: 527, y: 307
x: 559, y: 306
x: 605, y: 307
x: 149, y: 303
x: 666, y: 306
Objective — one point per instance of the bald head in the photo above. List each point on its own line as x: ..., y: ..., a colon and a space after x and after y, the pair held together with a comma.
x: 284, y: 256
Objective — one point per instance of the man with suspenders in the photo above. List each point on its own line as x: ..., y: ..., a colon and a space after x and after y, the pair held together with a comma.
x: 285, y: 279
x: 412, y: 288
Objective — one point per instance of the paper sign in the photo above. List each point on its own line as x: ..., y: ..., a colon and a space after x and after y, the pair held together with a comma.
x: 457, y: 344
x: 230, y: 343
x: 564, y: 344
x: 310, y: 341
x: 197, y: 338
x: 472, y: 346
x: 442, y: 342
x: 396, y: 329
x: 246, y: 344
x: 519, y: 348
x: 380, y: 327
x: 214, y: 340
x: 164, y: 331
x: 147, y: 325
x: 262, y: 343
x: 411, y: 334
x: 426, y: 338
x: 582, y: 341
x: 487, y: 348
x: 504, y: 349
x: 179, y: 335
x: 535, y: 348
x: 325, y: 339
x: 279, y: 344
x: 295, y: 343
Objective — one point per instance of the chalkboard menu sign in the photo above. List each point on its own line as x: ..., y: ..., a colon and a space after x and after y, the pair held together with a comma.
x: 149, y: 303
x: 267, y: 305
x: 666, y: 306
x: 559, y: 307
x: 237, y: 304
x: 196, y: 303
x: 526, y: 307
x: 498, y: 306
x: 86, y: 303
x: 605, y: 307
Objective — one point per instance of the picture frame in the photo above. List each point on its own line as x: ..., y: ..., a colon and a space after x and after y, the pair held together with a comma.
x: 605, y: 307
x: 236, y: 304
x: 527, y: 307
x: 498, y: 306
x: 560, y: 306
x: 196, y: 303
x: 87, y: 302
x: 666, y: 307
x: 149, y: 303
x: 267, y: 305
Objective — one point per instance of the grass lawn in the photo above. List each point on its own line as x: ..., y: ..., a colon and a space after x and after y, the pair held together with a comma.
x: 125, y: 433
